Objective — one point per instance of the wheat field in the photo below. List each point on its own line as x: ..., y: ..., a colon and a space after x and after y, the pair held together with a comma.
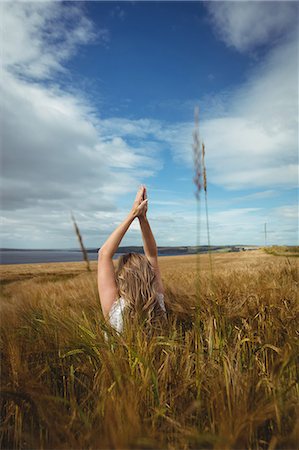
x: 222, y: 375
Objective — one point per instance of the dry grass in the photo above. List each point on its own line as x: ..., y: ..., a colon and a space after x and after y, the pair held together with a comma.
x: 283, y: 250
x: 80, y: 239
x: 230, y: 383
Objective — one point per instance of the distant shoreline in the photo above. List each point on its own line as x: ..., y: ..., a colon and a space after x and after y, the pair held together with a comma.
x: 39, y: 256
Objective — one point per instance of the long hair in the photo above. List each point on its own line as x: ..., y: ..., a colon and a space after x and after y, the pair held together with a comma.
x: 137, y: 285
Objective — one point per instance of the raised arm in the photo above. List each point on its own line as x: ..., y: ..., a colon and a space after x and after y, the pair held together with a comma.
x: 149, y: 243
x: 106, y: 275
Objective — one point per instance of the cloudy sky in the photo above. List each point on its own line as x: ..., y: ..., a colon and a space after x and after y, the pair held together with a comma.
x: 99, y: 97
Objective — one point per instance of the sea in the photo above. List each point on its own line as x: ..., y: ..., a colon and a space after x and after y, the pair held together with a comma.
x: 48, y: 256
x: 18, y: 256
x: 44, y: 256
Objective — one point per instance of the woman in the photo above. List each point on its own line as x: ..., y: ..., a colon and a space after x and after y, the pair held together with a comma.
x: 136, y: 289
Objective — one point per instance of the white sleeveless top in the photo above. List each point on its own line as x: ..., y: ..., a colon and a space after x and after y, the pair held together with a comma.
x: 115, y: 314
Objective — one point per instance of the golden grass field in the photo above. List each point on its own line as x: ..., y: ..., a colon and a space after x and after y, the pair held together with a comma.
x: 224, y: 374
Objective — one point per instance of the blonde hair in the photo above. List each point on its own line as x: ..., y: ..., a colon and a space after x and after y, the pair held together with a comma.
x: 137, y: 285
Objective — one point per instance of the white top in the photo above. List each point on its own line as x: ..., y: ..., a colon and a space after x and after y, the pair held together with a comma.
x: 115, y: 313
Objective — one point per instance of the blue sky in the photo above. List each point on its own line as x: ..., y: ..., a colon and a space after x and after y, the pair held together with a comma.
x: 99, y: 97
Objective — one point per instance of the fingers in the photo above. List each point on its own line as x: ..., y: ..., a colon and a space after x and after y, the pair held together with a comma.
x: 141, y: 208
x: 142, y: 204
x: 141, y: 193
x: 144, y: 193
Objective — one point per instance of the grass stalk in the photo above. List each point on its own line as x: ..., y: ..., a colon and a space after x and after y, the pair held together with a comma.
x: 83, y: 249
x: 205, y: 186
x: 198, y: 322
x: 197, y: 182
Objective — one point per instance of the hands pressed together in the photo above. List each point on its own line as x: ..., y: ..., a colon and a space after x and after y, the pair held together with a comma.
x: 139, y: 207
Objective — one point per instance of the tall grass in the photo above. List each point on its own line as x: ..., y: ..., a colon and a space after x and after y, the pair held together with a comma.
x: 283, y: 250
x: 80, y: 239
x: 64, y: 386
x: 201, y: 183
x: 198, y: 187
x: 205, y: 186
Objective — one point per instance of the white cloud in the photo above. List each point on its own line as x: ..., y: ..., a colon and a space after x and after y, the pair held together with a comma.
x: 254, y: 140
x: 287, y: 211
x: 55, y: 157
x: 269, y: 193
x: 284, y: 176
x: 247, y: 25
x: 227, y: 226
x: 56, y: 153
x: 254, y: 143
x: 39, y: 36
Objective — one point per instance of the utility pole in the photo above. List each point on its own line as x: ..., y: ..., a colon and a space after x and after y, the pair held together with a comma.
x: 265, y: 231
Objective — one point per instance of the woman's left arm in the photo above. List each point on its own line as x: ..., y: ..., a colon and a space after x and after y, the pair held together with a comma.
x: 106, y: 276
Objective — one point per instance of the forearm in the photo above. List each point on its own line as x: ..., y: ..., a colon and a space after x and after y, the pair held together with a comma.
x: 149, y: 243
x: 113, y: 241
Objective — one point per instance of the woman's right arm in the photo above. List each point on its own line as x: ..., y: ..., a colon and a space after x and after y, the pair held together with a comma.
x: 150, y: 246
x: 106, y: 277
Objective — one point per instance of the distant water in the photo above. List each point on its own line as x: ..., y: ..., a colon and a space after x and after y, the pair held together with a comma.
x: 44, y: 256
x: 48, y: 256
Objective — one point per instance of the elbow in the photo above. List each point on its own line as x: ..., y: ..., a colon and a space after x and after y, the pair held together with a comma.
x: 102, y: 252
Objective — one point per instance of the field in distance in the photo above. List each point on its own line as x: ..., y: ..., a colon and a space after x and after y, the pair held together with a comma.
x: 184, y: 264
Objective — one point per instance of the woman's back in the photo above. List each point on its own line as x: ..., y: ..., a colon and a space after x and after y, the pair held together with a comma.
x: 116, y: 311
